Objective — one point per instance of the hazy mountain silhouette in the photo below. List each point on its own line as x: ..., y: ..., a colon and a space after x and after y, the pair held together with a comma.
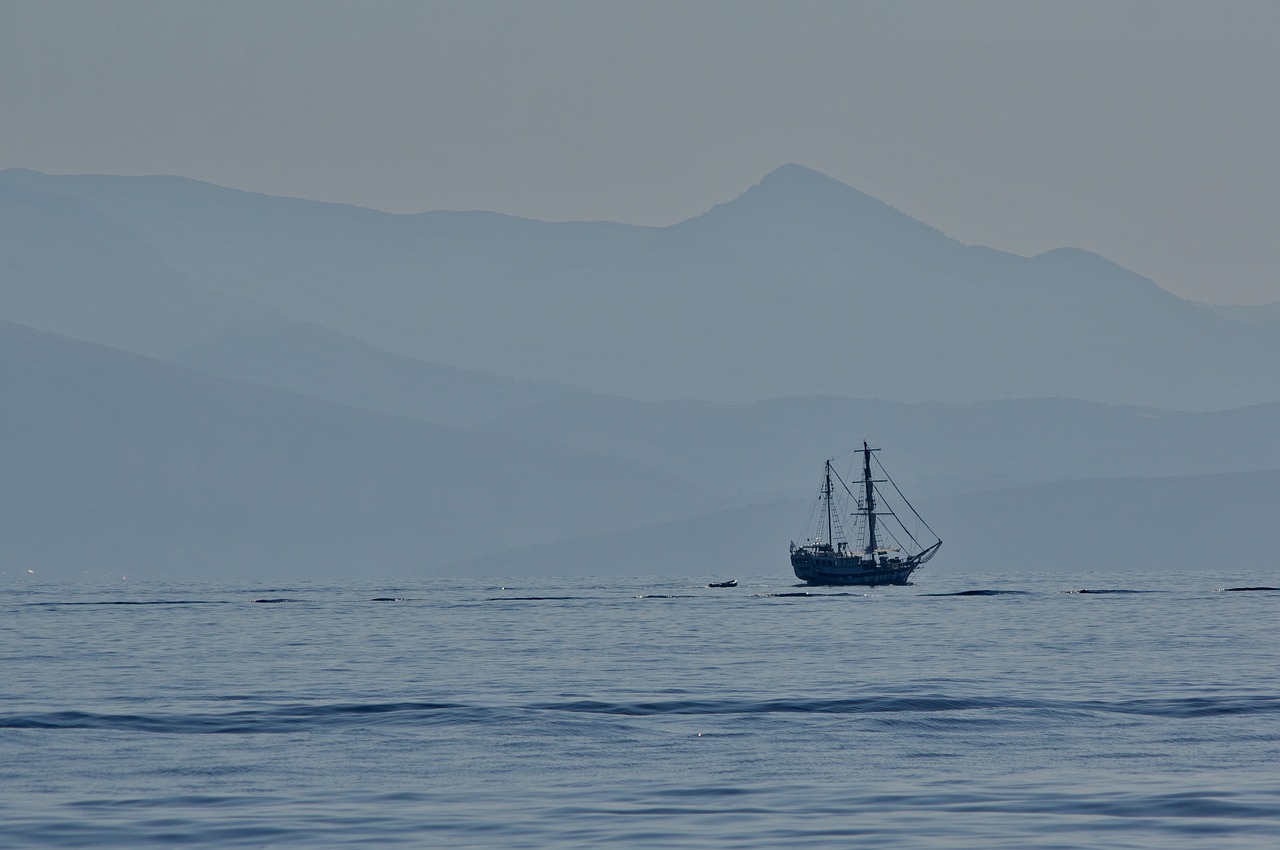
x: 315, y: 361
x: 70, y: 269
x: 1216, y: 525
x: 757, y: 450
x: 801, y: 285
x: 777, y: 447
x: 1260, y: 314
x: 763, y: 448
x: 118, y: 463
x: 352, y: 392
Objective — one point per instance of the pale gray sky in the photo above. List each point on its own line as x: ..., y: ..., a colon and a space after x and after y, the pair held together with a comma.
x: 1147, y: 132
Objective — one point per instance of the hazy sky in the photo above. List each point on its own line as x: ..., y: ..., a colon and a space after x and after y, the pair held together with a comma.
x: 1148, y: 132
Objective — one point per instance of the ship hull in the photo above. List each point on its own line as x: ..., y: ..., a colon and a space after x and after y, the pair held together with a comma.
x: 822, y: 569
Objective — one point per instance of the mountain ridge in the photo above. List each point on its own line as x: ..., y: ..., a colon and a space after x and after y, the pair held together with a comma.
x: 1136, y: 525
x: 116, y: 461
x: 320, y: 389
x: 711, y: 307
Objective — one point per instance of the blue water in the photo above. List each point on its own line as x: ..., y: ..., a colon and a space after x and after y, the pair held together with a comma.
x: 962, y: 712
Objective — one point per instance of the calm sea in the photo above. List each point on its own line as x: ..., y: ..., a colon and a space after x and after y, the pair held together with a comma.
x: 962, y: 712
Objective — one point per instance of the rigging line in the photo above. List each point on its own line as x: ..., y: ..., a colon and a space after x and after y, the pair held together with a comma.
x: 811, y: 521
x: 905, y: 549
x: 901, y: 525
x: 850, y: 494
x: 842, y: 484
x: 904, y: 498
x: 844, y: 454
x: 884, y: 503
x: 862, y: 530
x: 896, y: 541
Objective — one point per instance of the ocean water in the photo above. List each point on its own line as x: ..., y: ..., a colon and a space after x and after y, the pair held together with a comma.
x: 1000, y: 711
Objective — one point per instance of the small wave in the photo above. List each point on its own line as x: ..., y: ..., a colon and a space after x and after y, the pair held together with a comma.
x: 137, y: 602
x: 1185, y: 707
x: 803, y: 593
x: 264, y: 720
x: 1182, y: 805
x: 388, y: 599
x: 273, y: 601
x: 1084, y: 590
x: 982, y: 593
x: 533, y: 598
x: 860, y: 705
x: 1244, y: 589
x: 292, y: 718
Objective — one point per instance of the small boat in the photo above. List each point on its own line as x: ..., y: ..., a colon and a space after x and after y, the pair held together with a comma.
x: 828, y: 558
x: 733, y: 582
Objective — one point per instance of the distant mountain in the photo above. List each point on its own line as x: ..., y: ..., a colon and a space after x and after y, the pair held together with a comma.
x: 1213, y: 525
x: 776, y: 448
x: 1260, y: 314
x: 332, y: 391
x: 800, y: 286
x: 115, y: 463
x: 1217, y: 526
x: 70, y: 269
x: 120, y: 463
x: 764, y: 449
x: 318, y: 362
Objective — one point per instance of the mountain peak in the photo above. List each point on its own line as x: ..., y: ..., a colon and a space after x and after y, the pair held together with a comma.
x: 794, y: 174
x: 793, y: 184
x: 795, y: 198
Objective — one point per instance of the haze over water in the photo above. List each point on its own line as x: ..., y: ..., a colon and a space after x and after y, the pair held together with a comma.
x: 315, y: 317
x: 960, y: 712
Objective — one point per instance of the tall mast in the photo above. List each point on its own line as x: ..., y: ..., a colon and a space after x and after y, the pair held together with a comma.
x: 826, y: 489
x: 870, y: 504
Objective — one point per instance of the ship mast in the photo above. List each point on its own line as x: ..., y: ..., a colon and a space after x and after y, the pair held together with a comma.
x: 826, y: 491
x: 869, y: 506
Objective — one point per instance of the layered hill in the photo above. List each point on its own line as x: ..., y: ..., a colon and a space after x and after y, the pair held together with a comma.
x: 762, y: 449
x: 800, y: 286
x: 1216, y: 526
x: 119, y: 464
x: 200, y: 381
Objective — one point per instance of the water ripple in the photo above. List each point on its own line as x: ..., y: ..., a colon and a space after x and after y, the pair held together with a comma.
x: 133, y: 602
x: 982, y: 593
x: 291, y: 718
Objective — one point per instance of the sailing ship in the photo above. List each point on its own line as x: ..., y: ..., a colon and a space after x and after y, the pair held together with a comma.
x: 884, y: 549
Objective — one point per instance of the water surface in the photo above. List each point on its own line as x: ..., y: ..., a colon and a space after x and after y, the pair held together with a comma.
x: 992, y: 711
